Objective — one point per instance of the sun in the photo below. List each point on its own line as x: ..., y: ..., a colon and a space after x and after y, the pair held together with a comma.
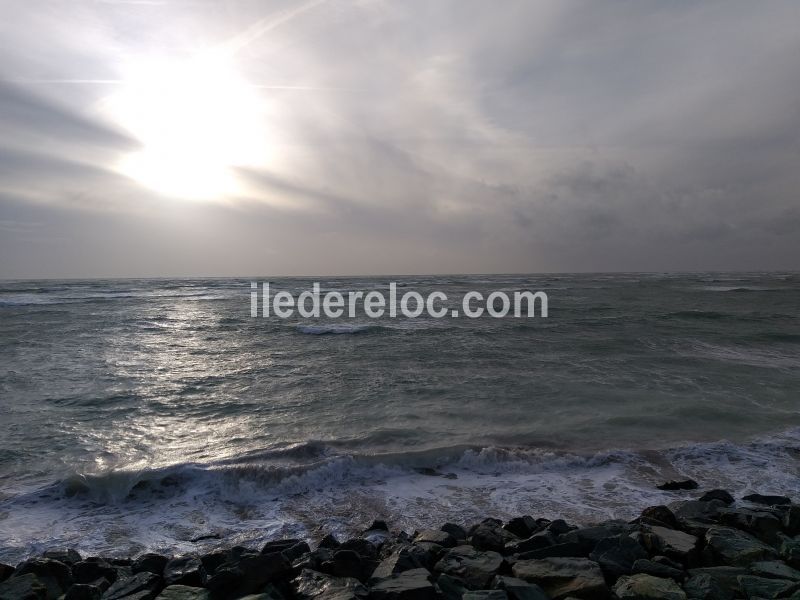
x: 196, y: 119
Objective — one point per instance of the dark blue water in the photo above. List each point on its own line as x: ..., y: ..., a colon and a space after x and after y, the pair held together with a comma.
x: 140, y: 413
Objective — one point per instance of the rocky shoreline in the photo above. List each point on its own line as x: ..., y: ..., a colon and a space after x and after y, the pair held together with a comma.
x: 710, y: 547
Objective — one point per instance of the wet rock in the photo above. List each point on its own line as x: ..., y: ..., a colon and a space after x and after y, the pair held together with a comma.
x: 344, y: 563
x: 728, y: 546
x: 474, y: 567
x: 150, y: 563
x: 142, y: 586
x: 762, y: 587
x: 677, y: 485
x: 184, y: 592
x: 402, y: 559
x: 564, y: 577
x: 363, y: 547
x: 719, y: 495
x: 435, y: 536
x: 23, y: 587
x: 6, y: 571
x: 92, y: 569
x: 774, y: 569
x: 185, y: 570
x: 697, y: 516
x: 64, y: 555
x: 518, y: 589
x: 522, y: 527
x: 537, y: 541
x: 55, y: 575
x: 647, y: 587
x: 616, y: 555
x: 414, y: 584
x: 378, y: 525
x: 312, y: 584
x: 450, y: 588
x: 672, y: 543
x: 485, y: 595
x: 490, y: 535
x: 556, y: 527
x: 649, y: 567
x: 458, y: 532
x: 329, y: 541
x: 790, y: 551
x: 714, y: 582
x: 660, y: 515
x: 764, y: 525
x: 767, y: 500
x: 246, y: 573
x: 84, y: 591
x: 588, y: 537
x: 563, y: 550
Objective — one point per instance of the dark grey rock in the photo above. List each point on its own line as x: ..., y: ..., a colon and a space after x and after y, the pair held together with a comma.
x: 23, y: 587
x: 697, y: 515
x: 714, y: 582
x: 450, y: 588
x: 662, y: 515
x: 676, y: 485
x: 774, y: 569
x: 674, y: 544
x: 67, y: 556
x: 767, y: 500
x: 93, y: 568
x: 84, y: 591
x: 6, y: 571
x: 329, y: 541
x: 150, y: 563
x: 522, y: 527
x: 649, y: 567
x: 762, y: 587
x: 564, y: 577
x: 142, y: 586
x: 435, y: 536
x: 485, y: 595
x: 731, y: 547
x: 537, y: 541
x: 414, y: 584
x: 184, y: 592
x: 458, y: 532
x: 762, y: 524
x: 345, y: 563
x: 490, y: 535
x: 563, y: 550
x: 378, y: 526
x: 246, y: 573
x: 474, y: 567
x: 790, y: 551
x: 55, y: 575
x: 518, y: 589
x: 318, y: 586
x: 647, y: 587
x: 556, y: 527
x: 719, y: 495
x: 616, y: 555
x: 588, y: 537
x: 185, y: 570
x: 402, y: 559
x: 364, y: 547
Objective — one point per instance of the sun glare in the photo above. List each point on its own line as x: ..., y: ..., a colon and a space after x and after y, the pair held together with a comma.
x: 197, y: 120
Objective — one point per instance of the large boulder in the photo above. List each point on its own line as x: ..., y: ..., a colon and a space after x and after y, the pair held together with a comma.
x: 318, y: 586
x: 485, y: 595
x: 144, y: 586
x: 68, y: 556
x: 728, y: 546
x: 185, y: 570
x: 518, y: 589
x: 402, y: 559
x: 762, y: 587
x: 490, y: 535
x: 55, y: 575
x: 647, y: 587
x: 247, y: 573
x: 588, y: 537
x: 714, y: 583
x: 522, y: 527
x: 564, y: 577
x: 763, y: 524
x: 414, y: 584
x: 184, y: 592
x: 472, y: 566
x: 93, y: 568
x: 84, y: 591
x: 24, y: 587
x: 150, y: 563
x: 435, y: 536
x: 767, y: 500
x: 657, y: 569
x: 775, y: 569
x: 616, y: 555
x: 537, y: 541
x: 720, y: 495
x: 674, y: 544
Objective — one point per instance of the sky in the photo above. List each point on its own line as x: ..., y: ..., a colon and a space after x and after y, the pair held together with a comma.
x: 179, y: 138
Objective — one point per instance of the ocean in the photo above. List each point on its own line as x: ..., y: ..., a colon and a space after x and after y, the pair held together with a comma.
x: 139, y: 415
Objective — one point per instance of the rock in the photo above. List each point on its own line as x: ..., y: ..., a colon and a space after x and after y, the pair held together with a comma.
x: 184, y: 592
x: 23, y: 587
x: 517, y: 589
x: 486, y: 595
x: 616, y: 555
x: 649, y: 567
x: 761, y: 587
x: 563, y: 577
x: 764, y: 525
x: 557, y: 527
x: 588, y: 537
x: 64, y: 555
x: 378, y: 526
x: 563, y: 550
x: 490, y: 535
x: 311, y: 584
x: 246, y: 573
x: 522, y: 527
x: 329, y: 541
x: 344, y: 563
x: 435, y: 536
x: 400, y: 560
x: 458, y: 532
x: 55, y: 575
x: 714, y: 583
x: 684, y: 484
x: 144, y: 586
x: 774, y: 569
x: 364, y: 547
x: 696, y: 515
x: 150, y: 563
x: 661, y: 515
x: 647, y: 587
x: 450, y: 588
x: 731, y: 547
x: 93, y: 568
x: 790, y: 551
x: 414, y: 584
x: 720, y: 495
x: 672, y: 543
x: 537, y: 541
x: 84, y: 591
x: 474, y: 567
x: 768, y: 500
x: 6, y: 571
x: 185, y: 570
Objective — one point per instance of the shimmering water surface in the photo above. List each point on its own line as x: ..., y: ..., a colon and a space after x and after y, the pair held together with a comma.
x: 139, y: 414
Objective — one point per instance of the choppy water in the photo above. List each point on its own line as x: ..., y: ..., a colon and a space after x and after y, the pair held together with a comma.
x: 139, y: 414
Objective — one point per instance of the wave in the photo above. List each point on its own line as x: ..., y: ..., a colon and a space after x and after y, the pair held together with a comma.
x: 339, y: 329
